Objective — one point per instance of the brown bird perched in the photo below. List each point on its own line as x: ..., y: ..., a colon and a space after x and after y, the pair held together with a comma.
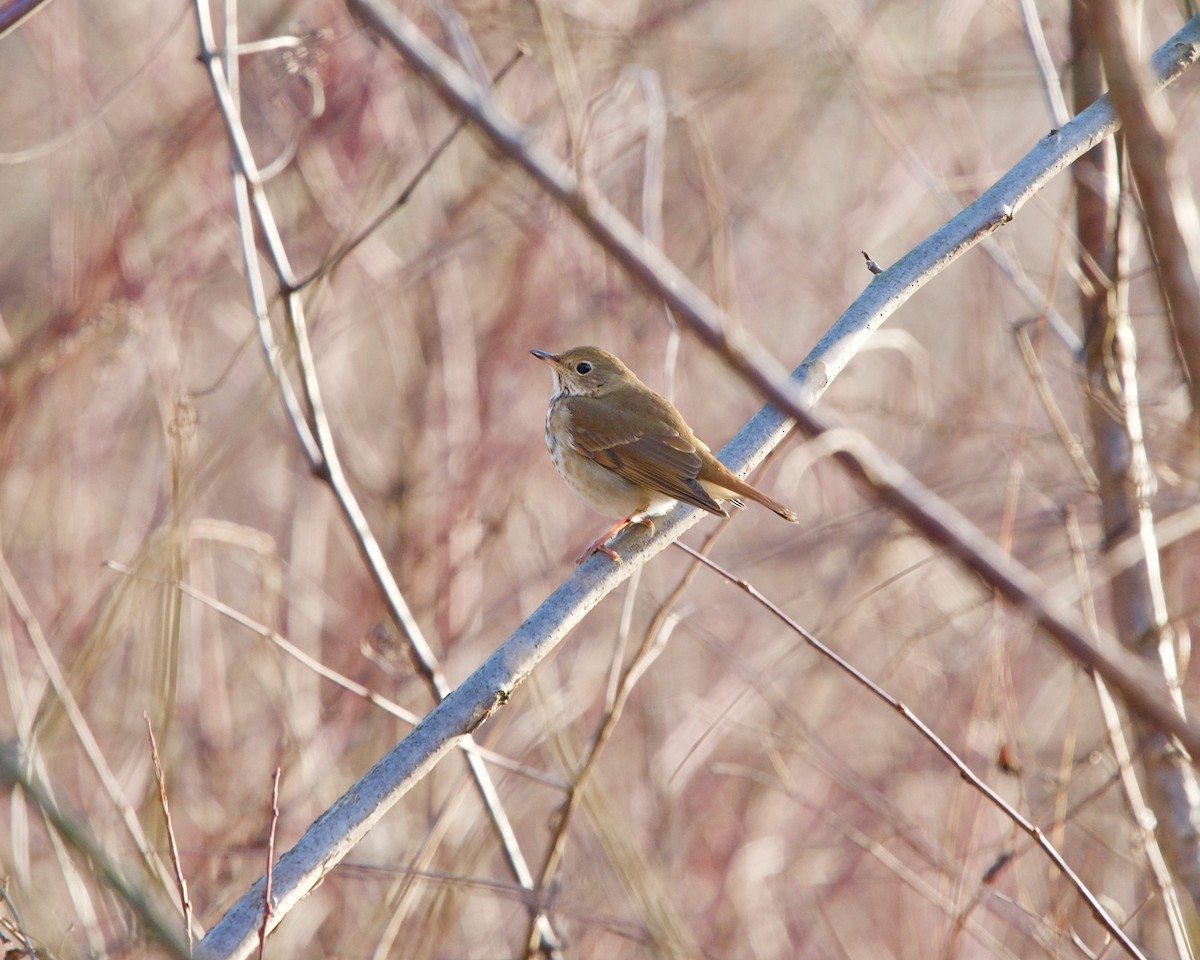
x: 626, y: 451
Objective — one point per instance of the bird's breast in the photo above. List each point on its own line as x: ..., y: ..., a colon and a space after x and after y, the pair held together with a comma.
x: 605, y: 490
x: 558, y: 427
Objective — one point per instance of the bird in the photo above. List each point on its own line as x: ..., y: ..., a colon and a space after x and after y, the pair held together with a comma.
x: 628, y: 452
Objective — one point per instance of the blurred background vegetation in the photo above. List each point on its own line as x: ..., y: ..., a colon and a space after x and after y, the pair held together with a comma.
x: 753, y: 802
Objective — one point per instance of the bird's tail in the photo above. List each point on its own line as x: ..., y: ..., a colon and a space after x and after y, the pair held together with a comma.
x: 733, y: 487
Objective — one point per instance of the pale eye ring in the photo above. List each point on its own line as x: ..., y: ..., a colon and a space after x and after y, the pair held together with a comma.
x: 583, y: 368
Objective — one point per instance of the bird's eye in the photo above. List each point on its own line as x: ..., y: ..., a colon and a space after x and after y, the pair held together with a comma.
x: 583, y: 368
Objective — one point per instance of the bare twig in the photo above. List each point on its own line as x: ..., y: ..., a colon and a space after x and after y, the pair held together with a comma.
x: 654, y: 640
x: 12, y: 15
x: 1045, y: 63
x: 372, y: 697
x: 1172, y: 223
x: 82, y: 729
x: 17, y: 925
x: 869, y: 844
x: 1066, y: 435
x: 334, y: 260
x: 848, y: 27
x: 160, y: 778
x: 80, y: 838
x: 969, y: 775
x: 1142, y: 816
x: 268, y: 905
x: 424, y: 658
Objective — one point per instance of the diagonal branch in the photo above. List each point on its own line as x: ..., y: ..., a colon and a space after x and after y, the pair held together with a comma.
x: 316, y: 433
x: 464, y: 709
x: 927, y: 733
x: 891, y: 483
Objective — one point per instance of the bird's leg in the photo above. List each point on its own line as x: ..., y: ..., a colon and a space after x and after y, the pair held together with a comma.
x: 601, y: 544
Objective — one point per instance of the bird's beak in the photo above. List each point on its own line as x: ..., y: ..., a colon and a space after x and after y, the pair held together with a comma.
x: 556, y: 369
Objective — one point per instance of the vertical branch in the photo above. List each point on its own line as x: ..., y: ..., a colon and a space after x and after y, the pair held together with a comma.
x: 313, y: 427
x: 160, y: 777
x: 1122, y: 465
x: 1171, y: 222
x: 268, y: 905
x: 1119, y: 744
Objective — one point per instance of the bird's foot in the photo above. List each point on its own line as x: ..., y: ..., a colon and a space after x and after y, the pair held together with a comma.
x: 601, y: 544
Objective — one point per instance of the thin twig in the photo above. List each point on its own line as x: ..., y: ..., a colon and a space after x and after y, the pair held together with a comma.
x: 848, y: 27
x: 160, y: 778
x: 1143, y: 818
x: 654, y: 641
x: 1051, y: 81
x: 334, y: 260
x: 82, y: 729
x: 80, y: 838
x: 1071, y: 443
x: 352, y: 687
x: 1102, y: 916
x: 18, y: 923
x: 268, y: 906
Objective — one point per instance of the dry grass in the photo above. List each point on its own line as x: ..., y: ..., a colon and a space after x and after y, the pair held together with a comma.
x: 752, y: 802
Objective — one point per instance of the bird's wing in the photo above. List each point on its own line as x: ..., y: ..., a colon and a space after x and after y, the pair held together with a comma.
x: 641, y: 446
